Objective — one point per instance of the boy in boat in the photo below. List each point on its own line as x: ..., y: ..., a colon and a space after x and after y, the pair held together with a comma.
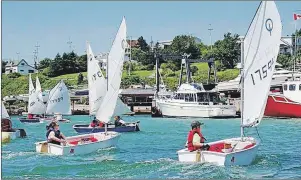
x: 54, y: 135
x: 119, y: 121
x: 195, y: 139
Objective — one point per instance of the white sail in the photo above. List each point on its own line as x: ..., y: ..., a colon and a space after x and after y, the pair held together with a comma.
x: 35, y: 105
x: 59, y: 100
x: 39, y: 89
x: 121, y: 108
x: 96, y: 82
x: 261, y: 47
x: 4, y: 113
x: 115, y: 66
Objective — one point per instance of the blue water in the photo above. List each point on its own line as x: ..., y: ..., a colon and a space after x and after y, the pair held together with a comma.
x: 151, y: 153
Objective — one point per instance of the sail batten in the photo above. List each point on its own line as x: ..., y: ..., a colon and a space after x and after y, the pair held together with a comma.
x: 261, y: 46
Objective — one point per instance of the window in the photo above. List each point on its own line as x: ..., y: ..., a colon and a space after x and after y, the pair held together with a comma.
x: 299, y: 87
x: 30, y: 71
x: 21, y: 70
x: 285, y: 87
x: 22, y: 64
x: 292, y: 87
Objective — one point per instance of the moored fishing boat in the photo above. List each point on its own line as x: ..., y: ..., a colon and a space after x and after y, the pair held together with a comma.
x: 286, y: 104
x: 259, y: 54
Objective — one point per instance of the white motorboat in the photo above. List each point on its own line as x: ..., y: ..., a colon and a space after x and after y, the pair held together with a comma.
x: 259, y: 54
x: 81, y: 144
x: 192, y: 100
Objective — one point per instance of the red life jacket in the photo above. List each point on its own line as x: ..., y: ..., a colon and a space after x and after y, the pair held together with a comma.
x: 93, y: 124
x: 101, y: 124
x: 190, y: 139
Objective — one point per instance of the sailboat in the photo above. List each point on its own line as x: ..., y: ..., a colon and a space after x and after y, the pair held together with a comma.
x: 36, y: 105
x: 97, y: 91
x: 7, y: 132
x: 59, y: 103
x: 83, y: 144
x: 259, y: 54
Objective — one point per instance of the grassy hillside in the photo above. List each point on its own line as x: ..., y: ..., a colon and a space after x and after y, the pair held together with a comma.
x: 19, y: 85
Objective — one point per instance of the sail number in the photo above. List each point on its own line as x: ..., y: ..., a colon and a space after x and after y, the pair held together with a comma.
x: 94, y: 76
x: 57, y: 100
x: 263, y: 71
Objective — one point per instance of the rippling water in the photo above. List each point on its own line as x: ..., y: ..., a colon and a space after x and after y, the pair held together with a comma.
x: 151, y: 153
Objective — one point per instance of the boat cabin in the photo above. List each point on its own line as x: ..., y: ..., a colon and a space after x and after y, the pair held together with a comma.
x: 292, y: 90
x: 195, y: 93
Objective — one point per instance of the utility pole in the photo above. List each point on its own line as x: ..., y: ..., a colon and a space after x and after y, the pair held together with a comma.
x: 35, y: 58
x: 70, y: 44
x: 210, y: 29
x: 37, y: 52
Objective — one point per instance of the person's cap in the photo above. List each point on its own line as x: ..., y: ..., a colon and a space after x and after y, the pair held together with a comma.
x: 196, y: 124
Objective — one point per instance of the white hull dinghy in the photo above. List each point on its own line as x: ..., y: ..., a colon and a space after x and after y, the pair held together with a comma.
x: 35, y: 103
x: 242, y: 153
x: 59, y: 103
x: 82, y: 144
x: 259, y: 51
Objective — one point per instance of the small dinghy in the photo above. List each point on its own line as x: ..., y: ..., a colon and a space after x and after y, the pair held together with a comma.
x: 129, y: 127
x: 88, y: 143
x: 59, y: 103
x: 82, y: 144
x: 98, y: 88
x: 258, y: 62
x: 35, y: 103
x: 7, y: 132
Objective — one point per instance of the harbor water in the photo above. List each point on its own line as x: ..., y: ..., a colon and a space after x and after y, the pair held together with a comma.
x: 152, y: 152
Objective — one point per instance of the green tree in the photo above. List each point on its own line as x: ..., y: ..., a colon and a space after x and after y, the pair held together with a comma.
x: 185, y: 44
x: 140, y: 56
x: 56, y: 66
x: 142, y: 44
x: 193, y: 70
x: 44, y: 63
x: 81, y: 63
x: 227, y: 51
x: 285, y: 60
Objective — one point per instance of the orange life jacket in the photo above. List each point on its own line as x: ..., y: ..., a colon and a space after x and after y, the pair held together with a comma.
x: 190, y: 139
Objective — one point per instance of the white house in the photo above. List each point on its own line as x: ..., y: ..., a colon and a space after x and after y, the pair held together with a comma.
x: 21, y: 67
x: 165, y: 44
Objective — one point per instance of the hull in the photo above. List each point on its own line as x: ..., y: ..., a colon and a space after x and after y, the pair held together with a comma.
x: 280, y: 106
x: 8, y: 136
x: 84, y: 128
x: 195, y: 110
x: 34, y: 120
x: 76, y: 146
x: 51, y: 119
x: 241, y: 153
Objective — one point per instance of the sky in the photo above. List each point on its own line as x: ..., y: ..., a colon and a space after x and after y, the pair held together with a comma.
x: 51, y: 24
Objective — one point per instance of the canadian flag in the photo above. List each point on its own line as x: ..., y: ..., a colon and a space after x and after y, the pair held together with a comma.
x: 297, y: 16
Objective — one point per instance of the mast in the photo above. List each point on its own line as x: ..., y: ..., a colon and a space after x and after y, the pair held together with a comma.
x: 242, y: 88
